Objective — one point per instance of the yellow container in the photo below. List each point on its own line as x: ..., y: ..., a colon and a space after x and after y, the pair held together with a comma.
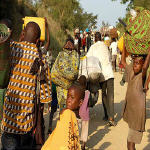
x: 107, y: 42
x: 40, y: 21
x: 121, y: 44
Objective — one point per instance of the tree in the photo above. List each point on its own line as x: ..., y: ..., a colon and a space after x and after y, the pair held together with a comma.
x: 132, y: 3
x: 70, y: 14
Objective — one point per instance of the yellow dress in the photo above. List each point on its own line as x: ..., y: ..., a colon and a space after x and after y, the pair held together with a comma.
x: 66, y: 134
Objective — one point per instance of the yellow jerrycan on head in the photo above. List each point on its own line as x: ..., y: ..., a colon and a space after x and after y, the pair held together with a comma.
x: 40, y: 21
x: 121, y: 43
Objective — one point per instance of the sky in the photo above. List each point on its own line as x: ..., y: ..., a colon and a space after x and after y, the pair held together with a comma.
x: 106, y: 10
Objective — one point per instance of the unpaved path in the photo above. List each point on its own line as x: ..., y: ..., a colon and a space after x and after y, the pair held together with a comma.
x: 103, y: 137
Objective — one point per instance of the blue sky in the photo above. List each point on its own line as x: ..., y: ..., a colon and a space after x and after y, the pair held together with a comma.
x: 106, y: 10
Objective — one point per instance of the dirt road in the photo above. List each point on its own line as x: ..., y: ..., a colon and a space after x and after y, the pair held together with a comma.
x: 103, y: 137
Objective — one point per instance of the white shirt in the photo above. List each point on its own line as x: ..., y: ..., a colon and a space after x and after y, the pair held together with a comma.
x: 106, y: 38
x: 75, y: 41
x: 113, y: 46
x: 100, y: 50
x: 81, y: 36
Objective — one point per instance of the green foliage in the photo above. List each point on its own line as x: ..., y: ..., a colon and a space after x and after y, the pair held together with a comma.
x: 15, y: 10
x: 63, y: 17
x: 142, y: 3
x: 133, y: 3
x: 70, y: 14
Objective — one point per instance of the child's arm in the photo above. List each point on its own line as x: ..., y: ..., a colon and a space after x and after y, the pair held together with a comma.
x: 48, y: 36
x: 123, y: 57
x: 146, y: 65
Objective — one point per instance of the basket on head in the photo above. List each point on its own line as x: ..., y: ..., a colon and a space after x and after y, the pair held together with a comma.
x: 4, y: 33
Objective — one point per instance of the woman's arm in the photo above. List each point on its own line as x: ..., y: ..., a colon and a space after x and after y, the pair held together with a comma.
x: 123, y: 57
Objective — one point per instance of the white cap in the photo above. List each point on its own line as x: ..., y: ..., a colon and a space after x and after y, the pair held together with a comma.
x: 133, y: 13
x: 77, y: 30
x: 111, y: 27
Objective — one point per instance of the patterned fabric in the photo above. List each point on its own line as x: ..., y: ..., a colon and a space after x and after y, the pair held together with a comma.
x: 66, y: 134
x: 69, y: 64
x: 139, y: 28
x: 65, y: 69
x: 45, y: 88
x: 61, y: 96
x: 57, y: 78
x: 19, y: 100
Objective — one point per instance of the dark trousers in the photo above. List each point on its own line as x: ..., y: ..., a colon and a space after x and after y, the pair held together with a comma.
x: 83, y: 48
x: 16, y: 141
x: 108, y: 97
x: 88, y: 48
x: 53, y: 110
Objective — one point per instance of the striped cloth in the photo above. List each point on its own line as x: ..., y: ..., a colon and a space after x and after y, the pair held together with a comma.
x: 19, y: 100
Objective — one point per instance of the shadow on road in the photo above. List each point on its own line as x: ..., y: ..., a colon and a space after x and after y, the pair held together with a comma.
x: 148, y: 116
x: 104, y: 146
x: 96, y: 134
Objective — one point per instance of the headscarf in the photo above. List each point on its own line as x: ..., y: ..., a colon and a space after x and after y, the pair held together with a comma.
x: 69, y: 45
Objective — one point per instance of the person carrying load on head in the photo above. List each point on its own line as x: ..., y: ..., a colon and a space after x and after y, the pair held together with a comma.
x: 136, y: 43
x: 134, y: 112
x: 65, y: 71
x: 29, y: 87
x: 100, y: 51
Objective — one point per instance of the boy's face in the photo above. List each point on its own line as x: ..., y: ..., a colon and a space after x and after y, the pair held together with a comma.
x: 137, y: 65
x: 73, y: 99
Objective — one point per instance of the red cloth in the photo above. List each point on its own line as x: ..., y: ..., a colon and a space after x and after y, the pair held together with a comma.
x: 84, y: 41
x: 121, y: 66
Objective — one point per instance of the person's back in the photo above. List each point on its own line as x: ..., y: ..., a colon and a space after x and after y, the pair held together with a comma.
x: 100, y: 50
x: 113, y: 46
x: 20, y: 95
x: 88, y: 41
x: 21, y: 86
x: 84, y: 42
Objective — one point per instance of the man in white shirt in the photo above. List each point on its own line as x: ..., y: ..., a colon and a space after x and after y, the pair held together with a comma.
x: 100, y: 50
x: 113, y: 48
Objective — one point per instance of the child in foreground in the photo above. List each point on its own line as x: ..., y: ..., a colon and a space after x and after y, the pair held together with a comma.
x: 134, y: 112
x: 66, y: 134
x: 84, y: 113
